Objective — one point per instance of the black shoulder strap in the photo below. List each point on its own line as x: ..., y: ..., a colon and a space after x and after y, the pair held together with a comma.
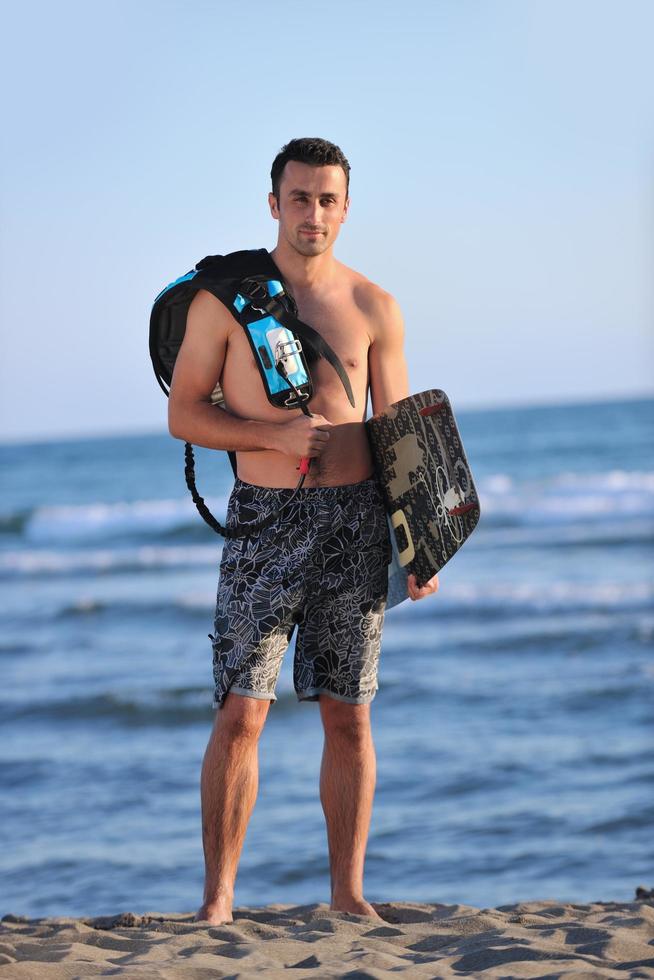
x: 255, y: 291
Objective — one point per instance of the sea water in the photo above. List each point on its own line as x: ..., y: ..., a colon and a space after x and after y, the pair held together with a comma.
x: 513, y: 722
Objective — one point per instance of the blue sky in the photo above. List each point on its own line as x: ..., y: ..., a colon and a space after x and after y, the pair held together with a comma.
x: 501, y: 186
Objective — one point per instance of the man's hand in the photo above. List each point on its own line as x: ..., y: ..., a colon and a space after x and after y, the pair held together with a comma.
x: 302, y: 436
x: 427, y: 589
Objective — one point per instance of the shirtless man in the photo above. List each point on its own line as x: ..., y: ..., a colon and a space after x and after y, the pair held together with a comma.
x: 324, y: 566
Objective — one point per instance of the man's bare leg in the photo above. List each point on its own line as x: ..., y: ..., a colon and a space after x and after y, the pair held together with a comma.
x: 229, y: 783
x: 347, y: 787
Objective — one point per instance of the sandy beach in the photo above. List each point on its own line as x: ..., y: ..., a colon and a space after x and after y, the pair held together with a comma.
x: 543, y: 939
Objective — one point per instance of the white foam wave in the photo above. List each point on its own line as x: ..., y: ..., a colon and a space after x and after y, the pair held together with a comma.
x: 530, y: 599
x: 44, y: 561
x: 97, y: 520
x: 562, y: 499
x: 552, y: 595
x: 568, y: 497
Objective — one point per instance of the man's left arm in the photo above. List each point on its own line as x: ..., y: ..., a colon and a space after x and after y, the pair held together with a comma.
x: 389, y: 378
x: 389, y: 382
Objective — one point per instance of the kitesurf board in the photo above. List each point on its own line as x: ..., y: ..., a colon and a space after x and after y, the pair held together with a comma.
x: 430, y: 496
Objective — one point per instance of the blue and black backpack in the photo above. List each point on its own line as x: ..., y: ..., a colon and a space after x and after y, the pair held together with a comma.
x: 252, y: 288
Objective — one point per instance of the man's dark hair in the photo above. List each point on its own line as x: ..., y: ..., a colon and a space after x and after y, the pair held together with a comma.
x: 315, y: 152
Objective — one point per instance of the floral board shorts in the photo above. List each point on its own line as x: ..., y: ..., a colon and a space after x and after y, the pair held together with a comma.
x: 321, y: 567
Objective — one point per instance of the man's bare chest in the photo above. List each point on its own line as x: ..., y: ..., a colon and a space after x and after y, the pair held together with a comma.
x: 341, y: 324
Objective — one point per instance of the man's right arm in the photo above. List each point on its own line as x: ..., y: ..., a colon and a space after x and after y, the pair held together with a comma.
x: 199, y: 364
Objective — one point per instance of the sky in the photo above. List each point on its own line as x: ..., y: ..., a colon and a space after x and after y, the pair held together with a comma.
x: 501, y: 186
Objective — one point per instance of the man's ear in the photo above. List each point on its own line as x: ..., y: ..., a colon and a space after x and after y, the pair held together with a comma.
x: 274, y: 207
x: 346, y: 207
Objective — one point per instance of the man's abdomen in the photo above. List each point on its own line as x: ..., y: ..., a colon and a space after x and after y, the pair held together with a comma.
x: 346, y: 459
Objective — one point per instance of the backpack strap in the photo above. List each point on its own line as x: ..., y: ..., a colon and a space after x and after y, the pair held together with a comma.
x: 254, y: 290
x: 207, y: 516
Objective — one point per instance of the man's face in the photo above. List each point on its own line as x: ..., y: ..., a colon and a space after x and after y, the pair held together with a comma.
x: 312, y: 206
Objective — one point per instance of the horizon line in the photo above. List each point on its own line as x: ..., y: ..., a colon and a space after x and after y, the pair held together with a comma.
x: 473, y: 408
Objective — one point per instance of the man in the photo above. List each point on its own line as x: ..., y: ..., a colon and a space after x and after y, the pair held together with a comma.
x: 323, y: 566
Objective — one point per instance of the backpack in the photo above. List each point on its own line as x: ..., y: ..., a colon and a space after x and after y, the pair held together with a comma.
x: 252, y: 288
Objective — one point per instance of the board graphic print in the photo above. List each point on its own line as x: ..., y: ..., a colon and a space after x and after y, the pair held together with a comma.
x: 431, y: 500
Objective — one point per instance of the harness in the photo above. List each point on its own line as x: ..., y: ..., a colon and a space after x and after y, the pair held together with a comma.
x: 252, y: 288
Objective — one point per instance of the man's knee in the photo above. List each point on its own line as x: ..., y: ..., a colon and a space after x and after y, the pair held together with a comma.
x: 241, y: 717
x: 344, y: 720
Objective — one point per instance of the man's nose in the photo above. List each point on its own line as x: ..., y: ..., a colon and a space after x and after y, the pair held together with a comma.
x: 314, y: 211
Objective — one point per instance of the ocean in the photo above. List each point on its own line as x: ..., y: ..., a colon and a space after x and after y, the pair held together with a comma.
x: 514, y: 721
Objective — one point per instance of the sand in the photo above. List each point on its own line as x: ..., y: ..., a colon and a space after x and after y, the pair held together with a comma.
x: 544, y: 939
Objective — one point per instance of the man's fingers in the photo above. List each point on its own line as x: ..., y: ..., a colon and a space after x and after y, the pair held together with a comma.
x: 318, y: 441
x: 419, y: 592
x: 317, y: 446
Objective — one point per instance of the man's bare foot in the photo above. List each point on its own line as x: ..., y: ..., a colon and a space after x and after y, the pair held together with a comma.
x: 217, y: 913
x: 358, y: 906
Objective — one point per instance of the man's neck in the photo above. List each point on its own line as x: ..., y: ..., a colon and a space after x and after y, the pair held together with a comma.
x: 303, y: 271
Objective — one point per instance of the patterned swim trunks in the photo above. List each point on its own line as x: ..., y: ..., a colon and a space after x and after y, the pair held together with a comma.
x: 321, y: 567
